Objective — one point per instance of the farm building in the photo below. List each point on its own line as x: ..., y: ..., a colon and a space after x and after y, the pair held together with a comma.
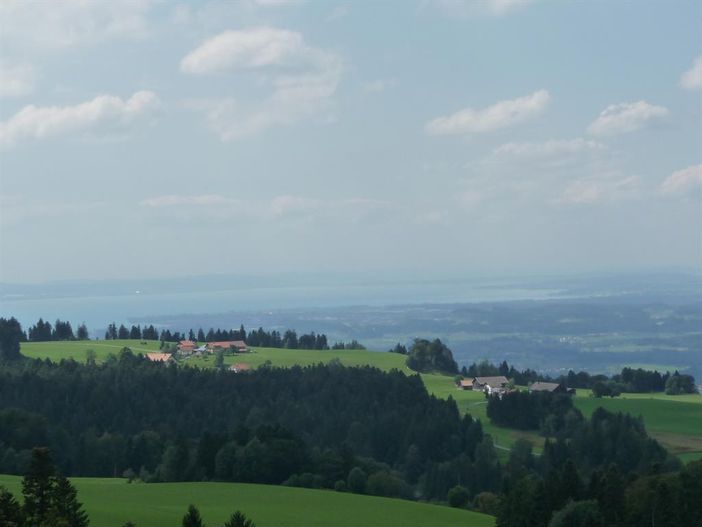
x: 186, y: 347
x: 159, y: 357
x: 465, y: 384
x: 552, y: 387
x: 239, y: 367
x: 236, y: 345
x: 490, y: 385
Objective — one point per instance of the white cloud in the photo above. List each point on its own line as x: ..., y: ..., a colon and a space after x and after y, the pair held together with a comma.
x: 248, y: 48
x: 174, y: 200
x: 102, y: 112
x: 16, y: 79
x: 625, y: 117
x: 377, y: 86
x: 17, y: 209
x: 301, y: 79
x: 608, y: 187
x: 692, y: 78
x: 500, y: 115
x: 71, y: 22
x: 548, y: 148
x: 467, y: 8
x: 277, y: 208
x: 682, y: 181
x: 277, y: 3
x: 339, y: 12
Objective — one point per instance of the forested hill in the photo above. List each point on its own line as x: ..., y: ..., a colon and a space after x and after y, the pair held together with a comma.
x: 181, y: 423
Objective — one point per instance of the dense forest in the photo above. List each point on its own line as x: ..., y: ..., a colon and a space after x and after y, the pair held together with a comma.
x: 174, y: 424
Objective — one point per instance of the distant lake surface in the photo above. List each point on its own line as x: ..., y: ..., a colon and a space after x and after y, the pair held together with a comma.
x: 99, y: 310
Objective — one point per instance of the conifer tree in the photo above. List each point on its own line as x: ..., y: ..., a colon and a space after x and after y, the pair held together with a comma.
x: 239, y: 519
x: 192, y: 518
x: 10, y: 510
x: 66, y: 510
x: 37, y: 487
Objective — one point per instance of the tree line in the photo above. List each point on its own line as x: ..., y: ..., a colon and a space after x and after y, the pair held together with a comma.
x: 629, y: 380
x: 44, y: 331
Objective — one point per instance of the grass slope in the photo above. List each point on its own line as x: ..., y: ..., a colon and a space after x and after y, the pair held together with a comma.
x: 675, y: 421
x: 112, y: 502
x: 77, y: 349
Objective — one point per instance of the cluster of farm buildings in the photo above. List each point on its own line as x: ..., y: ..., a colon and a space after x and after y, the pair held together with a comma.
x: 499, y: 385
x: 187, y: 348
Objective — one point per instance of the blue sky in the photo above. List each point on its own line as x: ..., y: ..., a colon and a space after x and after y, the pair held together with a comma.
x: 143, y: 139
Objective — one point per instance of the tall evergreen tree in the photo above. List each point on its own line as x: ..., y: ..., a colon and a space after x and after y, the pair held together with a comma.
x: 135, y: 333
x: 82, y: 332
x: 10, y: 510
x: 37, y: 487
x: 65, y: 509
x: 122, y: 332
x: 192, y: 518
x: 239, y: 519
x: 10, y: 337
x: 40, y: 332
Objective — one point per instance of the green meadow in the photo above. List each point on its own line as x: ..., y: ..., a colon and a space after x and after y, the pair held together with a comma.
x: 77, y: 349
x: 112, y: 502
x: 676, y: 421
x: 286, y: 358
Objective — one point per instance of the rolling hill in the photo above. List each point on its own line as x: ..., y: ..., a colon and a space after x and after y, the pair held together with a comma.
x: 112, y: 502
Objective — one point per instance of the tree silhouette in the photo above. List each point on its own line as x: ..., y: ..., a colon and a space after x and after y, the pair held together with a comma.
x: 239, y: 519
x: 192, y: 518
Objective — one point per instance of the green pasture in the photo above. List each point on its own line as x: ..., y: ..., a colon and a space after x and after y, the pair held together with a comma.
x: 112, y: 502
x: 77, y: 349
x: 676, y: 421
x: 475, y: 404
x: 286, y: 358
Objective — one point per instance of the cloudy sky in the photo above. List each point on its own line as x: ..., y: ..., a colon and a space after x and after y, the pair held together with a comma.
x: 151, y: 138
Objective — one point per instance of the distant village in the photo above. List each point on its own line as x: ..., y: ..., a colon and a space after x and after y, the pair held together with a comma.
x: 190, y: 348
x: 499, y: 386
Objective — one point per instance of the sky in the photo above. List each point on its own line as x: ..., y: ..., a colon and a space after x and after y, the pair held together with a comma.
x: 160, y: 139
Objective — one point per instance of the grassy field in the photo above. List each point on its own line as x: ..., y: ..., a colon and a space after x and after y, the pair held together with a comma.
x: 77, y: 349
x: 112, y: 502
x: 475, y: 404
x: 675, y: 421
x: 286, y: 358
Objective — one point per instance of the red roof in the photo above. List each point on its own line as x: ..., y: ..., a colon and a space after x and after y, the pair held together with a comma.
x: 159, y: 357
x: 227, y: 344
x: 240, y: 367
x: 187, y: 343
